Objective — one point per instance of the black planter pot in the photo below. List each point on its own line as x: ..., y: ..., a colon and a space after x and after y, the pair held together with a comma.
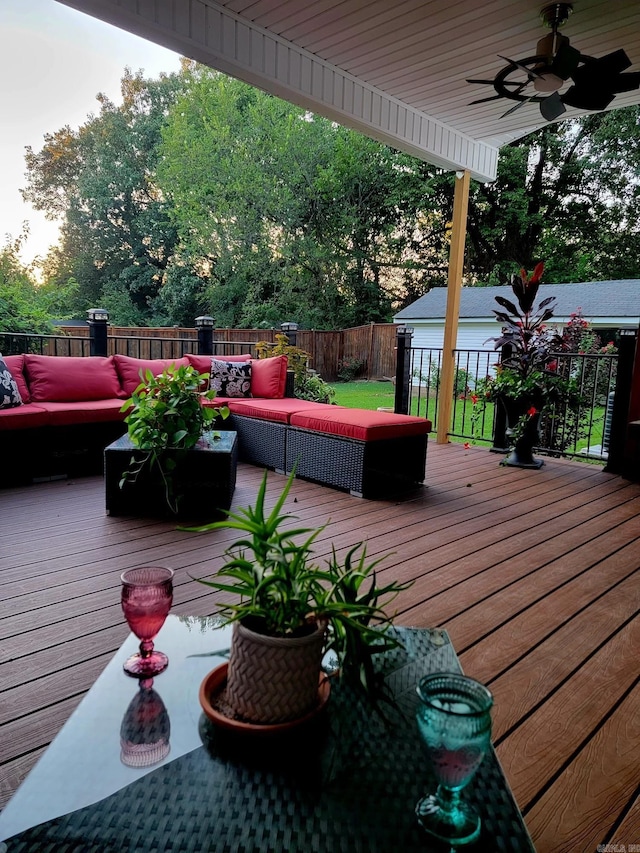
x: 521, y: 455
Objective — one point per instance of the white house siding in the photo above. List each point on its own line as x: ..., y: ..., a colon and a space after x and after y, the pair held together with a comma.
x: 473, y: 334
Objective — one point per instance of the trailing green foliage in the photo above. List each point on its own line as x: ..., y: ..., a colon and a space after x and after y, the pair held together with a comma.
x: 166, y: 417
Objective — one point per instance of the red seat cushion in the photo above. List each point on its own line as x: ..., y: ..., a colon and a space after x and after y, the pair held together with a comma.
x: 274, y: 410
x: 361, y: 424
x: 129, y: 368
x: 88, y: 412
x: 67, y: 379
x: 269, y: 377
x: 23, y: 417
x: 15, y: 364
x: 217, y: 402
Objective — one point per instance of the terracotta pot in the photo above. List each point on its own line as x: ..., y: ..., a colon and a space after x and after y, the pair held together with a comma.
x: 273, y: 679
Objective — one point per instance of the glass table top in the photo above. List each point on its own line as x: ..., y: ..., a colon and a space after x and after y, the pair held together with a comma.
x: 347, y: 782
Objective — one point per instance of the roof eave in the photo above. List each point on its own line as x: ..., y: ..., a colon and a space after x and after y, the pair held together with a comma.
x: 216, y: 37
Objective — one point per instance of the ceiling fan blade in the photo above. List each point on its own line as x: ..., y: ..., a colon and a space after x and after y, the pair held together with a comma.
x: 627, y: 82
x: 565, y: 61
x: 484, y: 100
x: 552, y: 107
x: 516, y: 107
x: 581, y: 97
x: 530, y: 72
x: 505, y: 83
x: 600, y: 71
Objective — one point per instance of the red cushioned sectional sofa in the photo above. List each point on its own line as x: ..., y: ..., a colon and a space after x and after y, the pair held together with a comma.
x: 71, y: 409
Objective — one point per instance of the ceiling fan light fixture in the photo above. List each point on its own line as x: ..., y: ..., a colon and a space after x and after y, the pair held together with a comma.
x: 554, y: 15
x: 547, y: 82
x: 548, y: 46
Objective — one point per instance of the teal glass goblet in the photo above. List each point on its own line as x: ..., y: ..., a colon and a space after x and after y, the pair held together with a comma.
x: 454, y: 721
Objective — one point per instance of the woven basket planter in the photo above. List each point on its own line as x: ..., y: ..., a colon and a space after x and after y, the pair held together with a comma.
x: 273, y: 679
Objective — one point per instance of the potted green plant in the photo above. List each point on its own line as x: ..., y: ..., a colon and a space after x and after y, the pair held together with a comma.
x: 166, y: 417
x: 530, y: 382
x: 307, y: 385
x: 288, y: 612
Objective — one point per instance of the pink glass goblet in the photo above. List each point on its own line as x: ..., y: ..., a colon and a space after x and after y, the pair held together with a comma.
x: 145, y: 728
x: 147, y: 594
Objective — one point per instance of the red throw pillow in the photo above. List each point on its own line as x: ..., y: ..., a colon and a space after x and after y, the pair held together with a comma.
x: 15, y: 364
x: 71, y: 379
x: 269, y: 377
x: 129, y: 370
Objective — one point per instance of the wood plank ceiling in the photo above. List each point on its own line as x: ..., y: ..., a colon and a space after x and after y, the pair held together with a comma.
x: 394, y: 70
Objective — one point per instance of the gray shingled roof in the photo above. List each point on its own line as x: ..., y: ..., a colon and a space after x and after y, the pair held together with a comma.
x: 594, y: 298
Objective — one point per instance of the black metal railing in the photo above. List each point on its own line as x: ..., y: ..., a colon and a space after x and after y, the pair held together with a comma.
x: 583, y: 433
x: 14, y: 343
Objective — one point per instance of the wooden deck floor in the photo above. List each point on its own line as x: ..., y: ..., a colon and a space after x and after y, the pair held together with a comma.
x: 535, y: 574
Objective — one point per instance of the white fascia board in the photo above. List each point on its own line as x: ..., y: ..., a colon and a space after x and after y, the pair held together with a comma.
x: 214, y: 36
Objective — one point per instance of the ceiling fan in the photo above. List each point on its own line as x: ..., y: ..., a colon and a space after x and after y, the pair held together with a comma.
x: 594, y: 82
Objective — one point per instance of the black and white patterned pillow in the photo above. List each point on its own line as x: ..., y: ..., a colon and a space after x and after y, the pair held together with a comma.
x: 9, y: 394
x: 231, y: 378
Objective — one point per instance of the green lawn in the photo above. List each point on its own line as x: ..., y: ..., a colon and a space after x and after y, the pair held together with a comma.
x: 364, y: 395
x: 373, y: 395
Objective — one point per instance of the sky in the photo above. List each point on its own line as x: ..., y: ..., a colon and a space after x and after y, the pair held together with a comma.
x: 53, y: 62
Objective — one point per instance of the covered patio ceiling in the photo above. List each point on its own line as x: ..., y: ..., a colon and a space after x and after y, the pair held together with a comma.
x: 396, y: 71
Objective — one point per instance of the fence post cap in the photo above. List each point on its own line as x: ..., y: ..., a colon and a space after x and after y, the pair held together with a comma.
x: 98, y: 315
x: 205, y: 321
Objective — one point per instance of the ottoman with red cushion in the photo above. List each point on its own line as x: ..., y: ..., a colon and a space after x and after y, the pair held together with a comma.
x: 263, y: 427
x: 371, y: 454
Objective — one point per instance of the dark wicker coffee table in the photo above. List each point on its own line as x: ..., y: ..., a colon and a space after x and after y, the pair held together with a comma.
x: 204, y: 480
x: 348, y: 783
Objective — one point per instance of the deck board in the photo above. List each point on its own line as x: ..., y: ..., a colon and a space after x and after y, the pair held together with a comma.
x: 535, y: 574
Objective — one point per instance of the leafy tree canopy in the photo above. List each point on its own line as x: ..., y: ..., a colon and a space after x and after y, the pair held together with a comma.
x: 200, y: 194
x: 24, y: 305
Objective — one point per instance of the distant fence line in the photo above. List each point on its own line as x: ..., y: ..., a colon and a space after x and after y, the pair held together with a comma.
x: 373, y: 346
x: 383, y: 350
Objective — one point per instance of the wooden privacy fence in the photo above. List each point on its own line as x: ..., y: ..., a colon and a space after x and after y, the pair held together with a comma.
x: 372, y: 345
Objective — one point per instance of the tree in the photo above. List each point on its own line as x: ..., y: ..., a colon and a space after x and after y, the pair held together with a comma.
x: 568, y: 194
x: 117, y: 240
x: 282, y: 213
x: 200, y: 194
x: 25, y: 306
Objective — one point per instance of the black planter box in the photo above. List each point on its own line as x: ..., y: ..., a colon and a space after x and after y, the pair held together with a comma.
x: 204, y: 480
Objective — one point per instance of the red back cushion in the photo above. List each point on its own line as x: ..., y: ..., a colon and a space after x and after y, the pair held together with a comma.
x: 202, y: 363
x: 269, y: 377
x: 15, y: 363
x: 67, y: 379
x: 129, y: 370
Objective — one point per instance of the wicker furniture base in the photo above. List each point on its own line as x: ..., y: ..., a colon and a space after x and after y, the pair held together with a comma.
x: 370, y: 469
x: 261, y: 442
